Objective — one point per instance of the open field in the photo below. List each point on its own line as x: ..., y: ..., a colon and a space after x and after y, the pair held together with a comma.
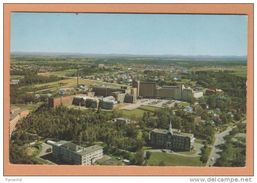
x: 157, y: 158
x: 70, y: 82
x: 59, y: 73
x: 133, y: 114
x: 138, y: 113
x: 29, y: 107
x: 183, y: 104
x: 236, y: 70
x: 241, y: 73
x: 148, y: 108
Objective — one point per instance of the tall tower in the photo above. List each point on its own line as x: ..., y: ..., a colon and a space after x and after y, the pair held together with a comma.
x: 170, y: 128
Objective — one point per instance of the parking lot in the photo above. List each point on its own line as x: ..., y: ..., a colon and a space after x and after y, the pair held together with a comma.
x: 151, y: 102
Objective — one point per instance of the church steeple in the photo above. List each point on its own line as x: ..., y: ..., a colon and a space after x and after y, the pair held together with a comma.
x: 170, y: 128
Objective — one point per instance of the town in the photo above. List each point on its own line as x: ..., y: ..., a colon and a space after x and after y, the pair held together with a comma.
x: 127, y: 110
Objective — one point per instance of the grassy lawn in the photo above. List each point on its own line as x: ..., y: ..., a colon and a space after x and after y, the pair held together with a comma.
x: 59, y: 73
x: 173, y: 160
x: 133, y: 114
x: 183, y: 104
x: 72, y: 82
x: 146, y: 147
x: 107, y: 160
x: 29, y: 107
x: 32, y: 151
x: 187, y: 152
x: 200, y: 141
x: 139, y: 112
x: 148, y: 108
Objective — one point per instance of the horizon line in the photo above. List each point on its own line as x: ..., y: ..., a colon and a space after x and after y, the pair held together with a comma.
x: 120, y: 54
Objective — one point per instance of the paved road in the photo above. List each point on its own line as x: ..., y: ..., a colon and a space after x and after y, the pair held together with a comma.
x: 219, y: 139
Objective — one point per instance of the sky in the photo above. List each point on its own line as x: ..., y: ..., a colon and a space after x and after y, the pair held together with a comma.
x: 138, y: 34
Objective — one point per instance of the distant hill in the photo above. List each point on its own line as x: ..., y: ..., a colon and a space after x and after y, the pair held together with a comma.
x: 134, y: 57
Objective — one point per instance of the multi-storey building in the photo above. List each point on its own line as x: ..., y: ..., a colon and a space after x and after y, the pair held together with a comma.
x: 147, y: 89
x: 105, y: 91
x: 171, y: 139
x: 71, y: 153
x: 169, y: 92
x: 178, y: 92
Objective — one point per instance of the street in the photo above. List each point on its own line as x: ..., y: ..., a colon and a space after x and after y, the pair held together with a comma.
x: 219, y: 139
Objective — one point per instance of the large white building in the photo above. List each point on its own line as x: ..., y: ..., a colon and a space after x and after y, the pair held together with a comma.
x: 71, y: 153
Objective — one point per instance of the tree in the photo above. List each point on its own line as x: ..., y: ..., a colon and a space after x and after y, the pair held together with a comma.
x: 148, y: 154
x: 139, y: 157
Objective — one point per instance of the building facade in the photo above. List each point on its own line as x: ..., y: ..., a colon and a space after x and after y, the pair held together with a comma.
x: 104, y: 91
x: 169, y: 92
x: 171, y: 139
x: 177, y: 92
x: 147, y: 89
x: 71, y: 153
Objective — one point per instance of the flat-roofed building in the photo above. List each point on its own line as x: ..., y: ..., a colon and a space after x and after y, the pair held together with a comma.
x: 14, y: 82
x: 108, y: 102
x: 169, y: 92
x: 171, y: 139
x: 68, y: 152
x: 91, y: 102
x: 78, y: 100
x: 147, y: 89
x: 107, y: 91
x: 197, y: 94
x: 118, y: 96
x: 130, y: 98
x: 122, y: 120
x: 187, y: 94
x: 136, y: 84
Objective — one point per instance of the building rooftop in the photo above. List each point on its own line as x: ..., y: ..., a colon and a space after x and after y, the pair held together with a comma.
x: 89, y: 149
x: 175, y: 132
x: 76, y: 148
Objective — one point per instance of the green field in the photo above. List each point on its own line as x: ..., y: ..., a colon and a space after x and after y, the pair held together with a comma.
x: 70, y: 82
x: 158, y: 158
x: 109, y: 161
x: 241, y: 73
x: 148, y: 108
x: 29, y: 107
x: 183, y: 104
x: 238, y: 70
x: 138, y: 113
x: 133, y: 114
x: 59, y: 73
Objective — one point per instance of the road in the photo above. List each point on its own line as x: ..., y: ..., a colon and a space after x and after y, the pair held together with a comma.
x: 219, y: 139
